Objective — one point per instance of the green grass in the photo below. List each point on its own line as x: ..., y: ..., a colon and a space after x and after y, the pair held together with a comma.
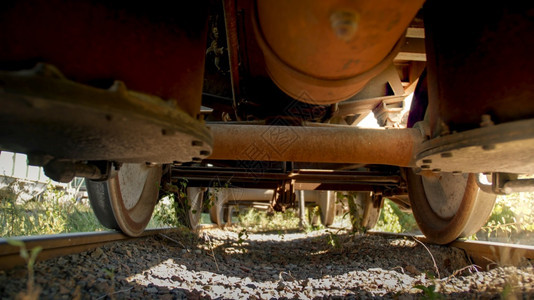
x: 259, y: 220
x: 54, y: 213
x: 392, y: 219
x: 512, y: 217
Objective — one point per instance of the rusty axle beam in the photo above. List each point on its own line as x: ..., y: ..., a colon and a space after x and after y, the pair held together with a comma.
x: 336, y: 144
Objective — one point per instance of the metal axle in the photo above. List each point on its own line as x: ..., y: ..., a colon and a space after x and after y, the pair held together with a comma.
x: 336, y: 144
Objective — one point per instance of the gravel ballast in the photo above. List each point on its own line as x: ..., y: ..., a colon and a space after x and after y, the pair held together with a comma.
x: 226, y: 264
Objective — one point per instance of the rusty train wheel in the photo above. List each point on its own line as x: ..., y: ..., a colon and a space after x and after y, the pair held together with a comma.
x: 127, y: 199
x: 194, y: 206
x: 364, y: 210
x: 447, y: 206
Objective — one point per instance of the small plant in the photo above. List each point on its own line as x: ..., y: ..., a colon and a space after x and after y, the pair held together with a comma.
x: 333, y: 240
x: 173, y: 209
x: 32, y: 292
x: 182, y: 205
x: 255, y: 220
x: 392, y: 219
x: 242, y: 236
x: 429, y: 292
x: 164, y: 212
x: 356, y: 213
x: 111, y: 275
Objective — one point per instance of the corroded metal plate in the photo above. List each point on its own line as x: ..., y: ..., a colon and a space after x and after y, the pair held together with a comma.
x: 507, y: 147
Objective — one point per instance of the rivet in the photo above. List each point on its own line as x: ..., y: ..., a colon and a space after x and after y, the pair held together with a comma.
x: 446, y: 154
x: 436, y: 170
x: 344, y: 24
x: 197, y: 143
x: 425, y: 167
x: 427, y: 161
x: 196, y: 159
x: 488, y: 147
x: 486, y: 121
x: 204, y: 153
x: 456, y: 172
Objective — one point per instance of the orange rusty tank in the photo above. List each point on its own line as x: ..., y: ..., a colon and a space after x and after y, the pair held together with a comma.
x: 323, y: 52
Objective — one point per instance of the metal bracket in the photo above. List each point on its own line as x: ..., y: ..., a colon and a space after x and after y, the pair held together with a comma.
x: 504, y: 184
x: 284, y: 196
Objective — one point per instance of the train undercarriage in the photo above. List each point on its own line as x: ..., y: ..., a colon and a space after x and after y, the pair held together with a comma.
x: 269, y: 95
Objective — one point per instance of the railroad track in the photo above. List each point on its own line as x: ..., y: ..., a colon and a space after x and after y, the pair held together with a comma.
x: 481, y: 253
x: 56, y: 245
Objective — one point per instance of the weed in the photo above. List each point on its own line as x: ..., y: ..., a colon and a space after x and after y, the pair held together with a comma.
x: 55, y: 212
x: 333, y: 240
x: 429, y: 292
x: 181, y: 205
x: 165, y: 213
x: 32, y: 292
x: 356, y: 213
x: 242, y: 236
x: 256, y: 220
x: 392, y: 219
x: 310, y: 228
x: 111, y: 275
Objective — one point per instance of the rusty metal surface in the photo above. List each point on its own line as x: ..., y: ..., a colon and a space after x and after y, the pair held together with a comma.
x: 155, y: 48
x: 230, y: 16
x: 302, y: 179
x: 62, y: 244
x: 413, y: 49
x: 44, y: 113
x: 329, y: 50
x: 323, y: 176
x: 341, y: 144
x: 218, y: 67
x: 481, y: 63
x: 506, y: 147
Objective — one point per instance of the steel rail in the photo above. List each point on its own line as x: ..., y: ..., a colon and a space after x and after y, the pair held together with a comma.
x: 482, y: 253
x: 56, y: 245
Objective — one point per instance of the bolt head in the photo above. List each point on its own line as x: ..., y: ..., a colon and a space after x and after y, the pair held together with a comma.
x: 446, y: 154
x: 344, y: 24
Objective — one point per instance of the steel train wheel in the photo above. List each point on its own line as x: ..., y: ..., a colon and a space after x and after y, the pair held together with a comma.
x: 127, y: 199
x: 448, y: 206
x: 327, y: 205
x: 221, y: 215
x: 220, y: 197
x: 195, y: 204
x: 364, y: 212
